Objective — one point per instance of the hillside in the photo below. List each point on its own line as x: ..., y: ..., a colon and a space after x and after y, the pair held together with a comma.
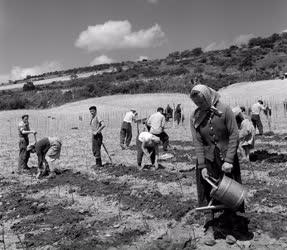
x: 260, y: 59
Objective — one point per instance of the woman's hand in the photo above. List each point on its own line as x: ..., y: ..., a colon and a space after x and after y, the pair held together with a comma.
x: 227, y: 167
x: 204, y: 173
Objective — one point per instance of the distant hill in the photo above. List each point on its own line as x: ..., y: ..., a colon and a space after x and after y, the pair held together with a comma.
x: 260, y: 59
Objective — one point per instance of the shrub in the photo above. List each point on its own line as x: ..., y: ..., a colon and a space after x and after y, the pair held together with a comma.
x: 29, y: 86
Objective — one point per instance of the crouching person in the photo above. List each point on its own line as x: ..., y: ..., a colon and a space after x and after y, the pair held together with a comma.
x: 49, y: 147
x: 147, y: 144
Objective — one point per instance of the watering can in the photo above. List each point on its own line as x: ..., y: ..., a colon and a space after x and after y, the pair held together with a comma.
x: 229, y: 192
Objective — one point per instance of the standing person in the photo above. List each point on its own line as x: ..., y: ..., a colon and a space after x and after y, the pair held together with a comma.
x: 168, y: 113
x: 24, y: 131
x: 49, y: 147
x: 177, y: 114
x: 147, y: 144
x: 255, y: 115
x: 215, y: 136
x: 97, y: 125
x: 126, y: 129
x: 155, y: 124
x: 246, y: 134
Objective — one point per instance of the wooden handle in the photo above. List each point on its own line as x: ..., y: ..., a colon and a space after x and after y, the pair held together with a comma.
x: 210, y: 182
x: 210, y: 207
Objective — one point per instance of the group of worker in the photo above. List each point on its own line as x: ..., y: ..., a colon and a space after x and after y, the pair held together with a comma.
x: 48, y: 149
x: 221, y: 136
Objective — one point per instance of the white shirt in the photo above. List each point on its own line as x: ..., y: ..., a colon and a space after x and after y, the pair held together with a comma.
x: 156, y: 121
x: 256, y: 108
x: 95, y: 123
x: 145, y: 136
x: 129, y: 117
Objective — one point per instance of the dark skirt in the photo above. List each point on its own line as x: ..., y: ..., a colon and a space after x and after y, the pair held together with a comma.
x: 214, y: 170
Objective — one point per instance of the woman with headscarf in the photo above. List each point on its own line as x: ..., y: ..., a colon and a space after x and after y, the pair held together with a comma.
x: 215, y: 136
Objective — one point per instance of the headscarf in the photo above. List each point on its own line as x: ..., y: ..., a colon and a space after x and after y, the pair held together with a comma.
x: 211, y: 97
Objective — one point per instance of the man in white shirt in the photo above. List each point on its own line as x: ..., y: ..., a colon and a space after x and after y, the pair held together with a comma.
x: 147, y: 144
x: 255, y: 115
x: 155, y: 125
x: 126, y: 129
x: 97, y: 125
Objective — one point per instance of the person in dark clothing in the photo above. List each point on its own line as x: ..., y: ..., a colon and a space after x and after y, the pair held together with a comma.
x: 97, y: 125
x: 24, y: 131
x: 49, y: 147
x: 177, y: 114
x: 126, y: 129
x: 216, y: 137
x: 168, y: 113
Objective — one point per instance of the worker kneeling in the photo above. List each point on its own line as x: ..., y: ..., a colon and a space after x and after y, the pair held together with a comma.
x: 47, y: 147
x: 147, y: 144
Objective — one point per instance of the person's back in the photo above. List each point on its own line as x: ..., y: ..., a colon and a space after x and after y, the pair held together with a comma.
x: 256, y: 108
x: 246, y: 133
x: 156, y: 121
x: 255, y: 116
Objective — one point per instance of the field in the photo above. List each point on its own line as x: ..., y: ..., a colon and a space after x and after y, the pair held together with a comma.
x: 120, y: 207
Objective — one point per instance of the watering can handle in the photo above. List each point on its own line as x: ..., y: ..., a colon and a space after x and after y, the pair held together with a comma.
x: 210, y: 182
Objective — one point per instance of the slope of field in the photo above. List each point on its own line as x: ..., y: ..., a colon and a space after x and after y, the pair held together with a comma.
x: 246, y: 92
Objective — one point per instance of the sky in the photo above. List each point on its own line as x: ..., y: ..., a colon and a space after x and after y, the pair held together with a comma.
x: 38, y: 36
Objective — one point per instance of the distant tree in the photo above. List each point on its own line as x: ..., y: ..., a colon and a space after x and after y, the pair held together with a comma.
x: 29, y: 86
x: 74, y: 76
x: 246, y: 63
x: 197, y: 51
x: 175, y: 55
x: 185, y: 53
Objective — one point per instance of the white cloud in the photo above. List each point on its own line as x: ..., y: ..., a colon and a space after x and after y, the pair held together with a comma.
x: 153, y: 1
x: 142, y: 58
x: 18, y: 72
x: 216, y: 46
x: 118, y: 35
x: 284, y: 31
x: 101, y: 60
x: 242, y: 39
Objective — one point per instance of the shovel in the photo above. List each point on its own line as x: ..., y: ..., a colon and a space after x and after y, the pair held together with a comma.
x: 107, y: 152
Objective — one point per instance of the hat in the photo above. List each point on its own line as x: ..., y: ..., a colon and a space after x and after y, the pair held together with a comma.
x: 30, y: 147
x: 132, y: 109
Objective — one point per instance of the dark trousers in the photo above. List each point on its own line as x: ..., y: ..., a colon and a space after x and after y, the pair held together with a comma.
x: 126, y: 134
x: 163, y: 136
x: 24, y: 155
x: 257, y: 123
x: 97, y: 141
x: 140, y: 153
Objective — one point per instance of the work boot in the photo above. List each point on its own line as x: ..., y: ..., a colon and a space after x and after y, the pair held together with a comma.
x: 208, y: 238
x: 39, y: 174
x: 98, y: 162
x: 46, y: 171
